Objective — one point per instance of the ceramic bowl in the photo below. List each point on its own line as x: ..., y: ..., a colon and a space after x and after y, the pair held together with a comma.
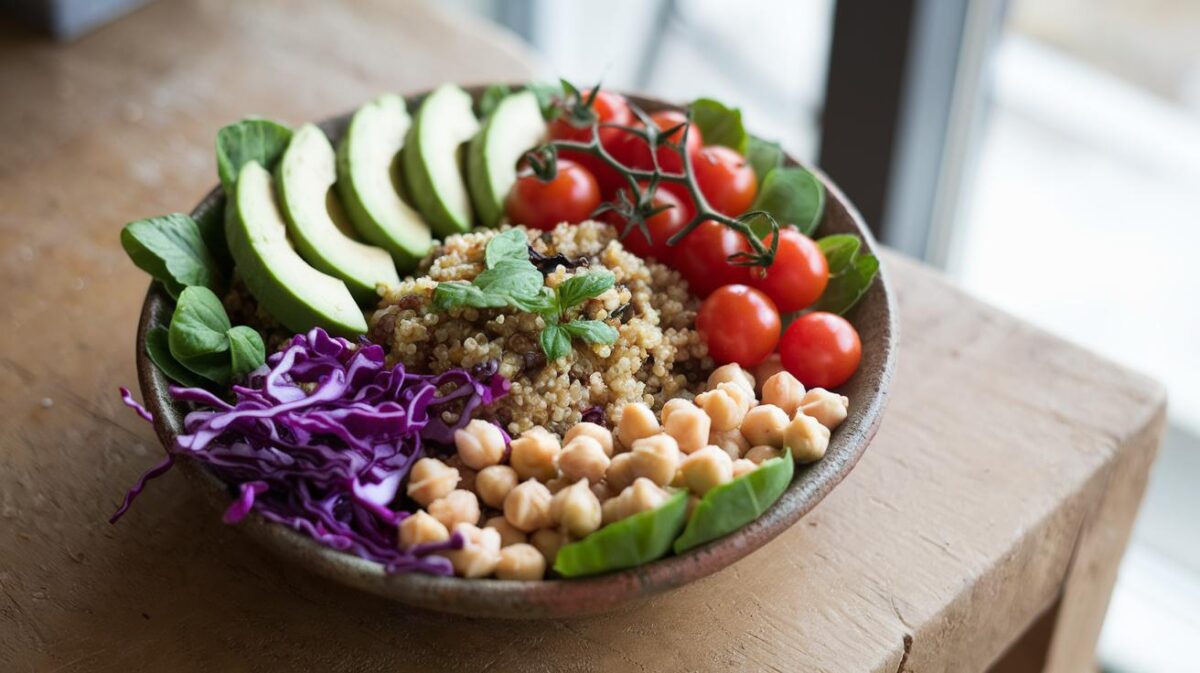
x: 874, y: 317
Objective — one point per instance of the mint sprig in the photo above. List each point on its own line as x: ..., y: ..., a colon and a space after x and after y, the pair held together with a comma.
x: 510, y: 280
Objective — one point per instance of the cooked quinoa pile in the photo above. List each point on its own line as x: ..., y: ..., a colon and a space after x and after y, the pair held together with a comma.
x: 658, y: 353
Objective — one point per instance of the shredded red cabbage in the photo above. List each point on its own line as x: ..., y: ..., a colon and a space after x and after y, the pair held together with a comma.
x: 321, y: 437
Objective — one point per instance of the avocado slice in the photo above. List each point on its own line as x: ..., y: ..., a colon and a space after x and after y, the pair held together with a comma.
x: 365, y: 161
x: 316, y: 222
x: 296, y: 294
x: 513, y: 128
x: 431, y: 159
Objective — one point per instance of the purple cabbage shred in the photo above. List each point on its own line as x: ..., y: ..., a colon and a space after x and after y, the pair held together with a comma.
x: 321, y: 438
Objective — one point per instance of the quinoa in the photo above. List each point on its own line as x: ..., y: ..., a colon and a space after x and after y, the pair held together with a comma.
x: 658, y: 354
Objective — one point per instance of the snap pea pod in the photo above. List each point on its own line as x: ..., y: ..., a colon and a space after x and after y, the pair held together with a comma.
x: 728, y: 507
x: 630, y: 542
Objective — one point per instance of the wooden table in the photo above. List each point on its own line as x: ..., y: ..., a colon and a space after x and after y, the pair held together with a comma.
x: 1000, y: 490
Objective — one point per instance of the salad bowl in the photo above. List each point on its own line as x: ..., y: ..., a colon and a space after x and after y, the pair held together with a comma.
x: 874, y: 317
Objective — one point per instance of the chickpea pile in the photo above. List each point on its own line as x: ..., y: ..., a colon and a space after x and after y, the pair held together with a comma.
x: 540, y: 492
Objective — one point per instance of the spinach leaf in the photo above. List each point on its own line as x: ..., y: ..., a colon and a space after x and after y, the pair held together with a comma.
x: 591, y: 331
x: 793, y: 196
x: 172, y: 250
x: 840, y: 251
x: 718, y: 124
x: 246, y: 349
x: 260, y: 140
x: 198, y: 336
x: 764, y: 156
x: 555, y: 341
x: 630, y: 542
x: 578, y: 289
x: 846, y: 288
x: 159, y: 351
x: 491, y: 98
x: 212, y: 230
x: 730, y: 506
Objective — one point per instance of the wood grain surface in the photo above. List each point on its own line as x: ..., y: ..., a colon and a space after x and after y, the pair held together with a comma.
x: 1005, y: 476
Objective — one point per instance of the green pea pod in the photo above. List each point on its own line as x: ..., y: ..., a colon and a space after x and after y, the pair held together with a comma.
x: 728, y: 507
x: 630, y: 542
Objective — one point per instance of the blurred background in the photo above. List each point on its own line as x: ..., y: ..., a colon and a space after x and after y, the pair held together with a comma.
x: 1043, y: 153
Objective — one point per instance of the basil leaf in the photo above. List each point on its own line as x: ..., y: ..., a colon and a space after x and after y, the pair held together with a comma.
x: 591, y: 331
x: 630, y: 542
x: 845, y: 289
x: 555, y: 341
x: 718, y: 124
x: 260, y: 140
x: 578, y: 289
x: 839, y: 250
x: 159, y: 351
x: 448, y: 295
x: 511, y: 279
x: 763, y: 155
x: 197, y: 336
x: 542, y: 303
x: 171, y: 249
x: 793, y: 196
x: 511, y: 246
x: 246, y: 350
x: 491, y: 98
x: 732, y: 505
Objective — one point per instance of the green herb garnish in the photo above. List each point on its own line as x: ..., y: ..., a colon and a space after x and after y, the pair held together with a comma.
x: 171, y: 248
x: 202, y: 341
x: 850, y: 273
x: 511, y: 280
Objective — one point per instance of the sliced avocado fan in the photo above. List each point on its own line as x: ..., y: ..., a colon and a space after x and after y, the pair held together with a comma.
x: 432, y: 168
x: 514, y: 127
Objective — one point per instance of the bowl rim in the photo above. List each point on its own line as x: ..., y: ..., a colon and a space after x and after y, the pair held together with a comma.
x: 549, y: 597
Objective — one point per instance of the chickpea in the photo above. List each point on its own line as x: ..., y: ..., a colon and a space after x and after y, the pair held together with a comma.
x: 509, y: 535
x: 493, y: 484
x: 548, y: 541
x: 828, y: 408
x: 420, y: 528
x: 601, y: 491
x: 456, y: 507
x: 742, y: 467
x: 557, y: 484
x: 535, y: 455
x: 724, y: 411
x: 807, y: 439
x: 706, y: 469
x: 671, y: 406
x: 479, y: 444
x: 689, y: 426
x: 693, y: 500
x: 784, y: 391
x: 768, y: 368
x: 521, y: 562
x: 678, y: 481
x: 655, y: 458
x: 431, y: 479
x: 761, y: 454
x: 613, y: 510
x: 731, y: 373
x: 620, y: 472
x: 583, y: 458
x: 742, y: 395
x: 596, y: 432
x: 764, y: 424
x: 642, y: 496
x: 576, y: 509
x: 730, y: 441
x: 480, y: 553
x: 527, y: 506
x: 637, y: 422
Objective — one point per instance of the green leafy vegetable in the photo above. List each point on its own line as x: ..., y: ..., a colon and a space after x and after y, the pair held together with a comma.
x: 555, y: 341
x: 546, y: 95
x: 839, y: 250
x: 159, y: 350
x: 792, y: 196
x: 851, y: 273
x: 578, y: 289
x: 260, y: 140
x: 198, y: 335
x: 212, y: 230
x: 764, y: 156
x: 719, y: 125
x: 491, y: 98
x: 591, y: 331
x: 172, y: 250
x: 246, y: 349
x: 630, y: 542
x: 510, y: 246
x: 730, y: 506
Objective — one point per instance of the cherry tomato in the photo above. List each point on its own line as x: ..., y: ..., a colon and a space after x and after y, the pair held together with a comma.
x: 662, y: 226
x: 703, y: 258
x: 821, y: 349
x: 726, y: 180
x: 739, y: 324
x: 570, y: 197
x: 610, y: 108
x: 799, y: 274
x: 635, y: 152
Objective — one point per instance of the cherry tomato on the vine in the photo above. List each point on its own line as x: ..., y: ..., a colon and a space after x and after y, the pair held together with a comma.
x: 739, y: 324
x: 726, y: 180
x: 821, y: 349
x: 570, y: 197
x: 635, y: 151
x: 661, y: 226
x: 610, y: 108
x: 799, y: 274
x: 703, y: 258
